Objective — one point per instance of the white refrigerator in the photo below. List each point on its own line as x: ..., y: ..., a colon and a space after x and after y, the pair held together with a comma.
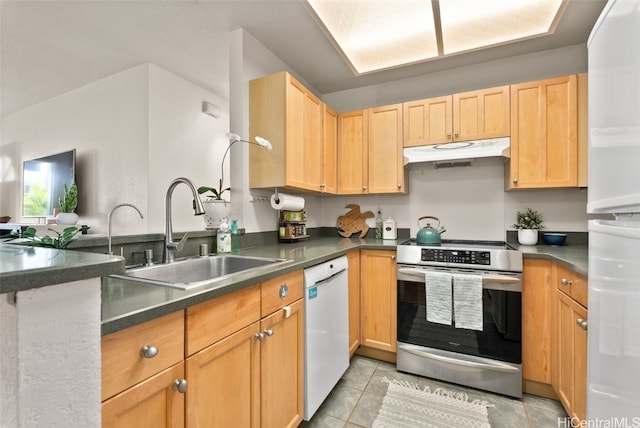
x: 613, y: 358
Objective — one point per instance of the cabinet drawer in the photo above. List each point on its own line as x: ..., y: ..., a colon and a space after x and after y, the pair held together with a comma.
x: 216, y: 319
x: 273, y: 298
x: 572, y: 283
x: 123, y: 364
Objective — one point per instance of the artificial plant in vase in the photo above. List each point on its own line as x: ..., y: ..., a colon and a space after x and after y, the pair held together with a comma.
x: 67, y: 204
x: 215, y: 205
x: 528, y: 223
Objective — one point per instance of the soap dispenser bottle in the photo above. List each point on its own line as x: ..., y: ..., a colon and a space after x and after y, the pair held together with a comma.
x: 235, y: 236
x: 223, y: 237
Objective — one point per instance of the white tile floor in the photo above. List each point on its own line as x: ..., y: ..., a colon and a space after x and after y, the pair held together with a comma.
x: 357, y: 397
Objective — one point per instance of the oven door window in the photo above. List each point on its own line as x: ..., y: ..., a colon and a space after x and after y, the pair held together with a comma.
x: 500, y: 338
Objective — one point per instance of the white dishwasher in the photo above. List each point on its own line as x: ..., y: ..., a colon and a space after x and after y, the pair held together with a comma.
x: 326, y: 336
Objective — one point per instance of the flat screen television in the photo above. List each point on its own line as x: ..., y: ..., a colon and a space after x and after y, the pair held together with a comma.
x: 43, y: 182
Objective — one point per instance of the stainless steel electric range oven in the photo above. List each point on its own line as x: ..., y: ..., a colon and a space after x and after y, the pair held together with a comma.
x: 459, y: 313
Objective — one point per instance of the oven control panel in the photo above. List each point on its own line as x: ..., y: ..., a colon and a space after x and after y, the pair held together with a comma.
x: 469, y: 257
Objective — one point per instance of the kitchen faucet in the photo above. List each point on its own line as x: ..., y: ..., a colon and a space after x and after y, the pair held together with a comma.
x: 171, y: 247
x: 109, y: 220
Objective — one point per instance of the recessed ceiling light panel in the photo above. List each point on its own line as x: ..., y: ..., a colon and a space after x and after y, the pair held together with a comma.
x: 378, y: 34
x: 473, y: 24
x: 374, y: 35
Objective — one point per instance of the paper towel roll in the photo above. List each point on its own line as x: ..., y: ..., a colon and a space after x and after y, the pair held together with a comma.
x: 282, y: 201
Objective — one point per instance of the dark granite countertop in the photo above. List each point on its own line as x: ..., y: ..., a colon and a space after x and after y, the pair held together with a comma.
x: 125, y: 303
x: 25, y: 267
x: 575, y: 257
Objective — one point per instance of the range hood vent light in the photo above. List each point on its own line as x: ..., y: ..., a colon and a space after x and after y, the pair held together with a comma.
x: 457, y: 153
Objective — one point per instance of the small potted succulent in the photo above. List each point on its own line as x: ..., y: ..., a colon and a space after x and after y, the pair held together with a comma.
x: 67, y: 204
x: 528, y: 223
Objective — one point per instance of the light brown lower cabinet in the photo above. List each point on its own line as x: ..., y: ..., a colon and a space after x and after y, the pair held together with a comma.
x: 244, y: 363
x: 537, y: 329
x: 354, y: 301
x: 570, y: 380
x: 153, y: 403
x: 378, y: 299
x: 224, y: 382
x: 554, y: 334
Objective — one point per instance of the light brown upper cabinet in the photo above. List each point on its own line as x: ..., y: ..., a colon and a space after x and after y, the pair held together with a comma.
x: 286, y: 113
x: 466, y: 116
x: 370, y: 151
x: 330, y: 148
x: 428, y: 121
x: 544, y: 129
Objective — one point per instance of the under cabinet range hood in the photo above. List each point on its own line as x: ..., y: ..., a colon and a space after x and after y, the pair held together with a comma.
x: 457, y: 153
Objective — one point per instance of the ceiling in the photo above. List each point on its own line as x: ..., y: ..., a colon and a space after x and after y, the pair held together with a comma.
x: 50, y: 47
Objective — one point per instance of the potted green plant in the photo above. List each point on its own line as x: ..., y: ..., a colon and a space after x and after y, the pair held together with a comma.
x: 67, y: 204
x: 60, y: 241
x: 528, y: 223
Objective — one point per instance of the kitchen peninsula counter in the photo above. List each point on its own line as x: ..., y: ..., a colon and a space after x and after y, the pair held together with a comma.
x: 24, y: 267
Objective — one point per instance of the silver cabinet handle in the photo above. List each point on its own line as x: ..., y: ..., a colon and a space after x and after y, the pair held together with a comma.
x: 565, y: 281
x: 263, y: 335
x: 180, y: 385
x: 149, y: 351
x: 284, y: 290
x: 449, y: 135
x: 364, y: 187
x: 583, y: 324
x: 393, y: 258
x: 515, y: 180
x: 455, y: 135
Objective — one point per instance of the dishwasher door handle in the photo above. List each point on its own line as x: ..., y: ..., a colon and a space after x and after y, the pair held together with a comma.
x: 329, y: 278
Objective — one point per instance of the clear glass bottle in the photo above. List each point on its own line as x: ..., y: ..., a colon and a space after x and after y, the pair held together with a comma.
x: 379, y: 225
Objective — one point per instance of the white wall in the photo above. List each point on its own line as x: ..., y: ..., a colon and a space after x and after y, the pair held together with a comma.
x: 183, y: 142
x: 134, y: 133
x: 106, y: 123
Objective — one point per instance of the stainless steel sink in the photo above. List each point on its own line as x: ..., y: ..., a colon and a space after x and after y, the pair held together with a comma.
x: 198, y: 271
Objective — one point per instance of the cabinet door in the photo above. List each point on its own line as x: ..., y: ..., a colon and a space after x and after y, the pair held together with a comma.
x: 572, y: 283
x: 282, y: 368
x: 572, y: 352
x: 386, y: 171
x: 481, y: 114
x: 352, y: 153
x: 428, y: 121
x: 310, y: 145
x: 330, y: 151
x: 538, y: 295
x: 152, y: 403
x: 123, y: 365
x: 354, y: 301
x: 544, y: 145
x: 378, y: 299
x: 224, y: 382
